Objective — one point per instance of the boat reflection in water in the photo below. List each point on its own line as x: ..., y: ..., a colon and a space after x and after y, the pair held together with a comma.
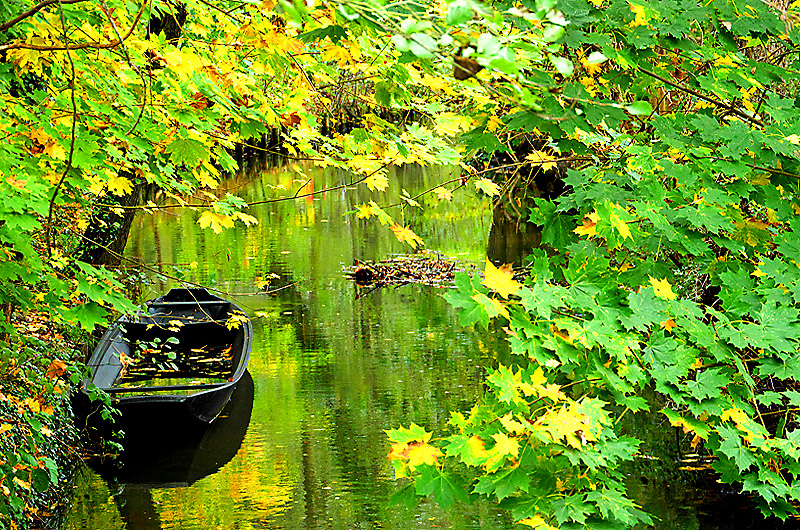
x: 168, y: 456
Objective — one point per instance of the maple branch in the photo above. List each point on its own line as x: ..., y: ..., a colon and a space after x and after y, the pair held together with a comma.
x: 733, y: 110
x: 35, y: 9
x: 82, y: 46
x: 52, y: 203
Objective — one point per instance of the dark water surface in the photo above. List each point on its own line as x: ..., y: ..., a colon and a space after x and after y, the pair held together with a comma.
x: 302, y: 443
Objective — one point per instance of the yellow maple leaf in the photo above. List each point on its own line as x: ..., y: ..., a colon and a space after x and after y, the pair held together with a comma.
x: 663, y: 289
x: 245, y: 218
x: 669, y: 325
x: 404, y: 234
x: 541, y: 158
x: 422, y: 453
x: 512, y: 425
x: 551, y: 391
x: 589, y: 226
x: 493, y: 123
x: 500, y: 279
x: 443, y: 193
x: 364, y: 211
x: 538, y: 378
x: 216, y: 221
x: 377, y: 182
x: 450, y: 124
x: 488, y: 187
x: 119, y: 185
x: 337, y: 53
x: 640, y: 19
x: 476, y: 446
x: 504, y: 445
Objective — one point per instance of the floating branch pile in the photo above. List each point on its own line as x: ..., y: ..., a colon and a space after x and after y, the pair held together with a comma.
x: 418, y: 268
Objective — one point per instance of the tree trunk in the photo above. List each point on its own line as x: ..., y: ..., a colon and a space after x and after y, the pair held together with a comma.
x: 107, y: 234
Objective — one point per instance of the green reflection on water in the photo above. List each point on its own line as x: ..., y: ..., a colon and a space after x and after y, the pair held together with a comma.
x: 331, y: 371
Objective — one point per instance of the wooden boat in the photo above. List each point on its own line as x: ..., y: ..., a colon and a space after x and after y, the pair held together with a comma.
x: 181, y: 355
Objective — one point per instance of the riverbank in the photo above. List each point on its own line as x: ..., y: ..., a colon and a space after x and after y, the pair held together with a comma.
x: 39, y: 441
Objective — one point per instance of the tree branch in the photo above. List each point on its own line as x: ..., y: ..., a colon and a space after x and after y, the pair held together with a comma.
x: 81, y: 46
x: 32, y: 11
x: 743, y: 115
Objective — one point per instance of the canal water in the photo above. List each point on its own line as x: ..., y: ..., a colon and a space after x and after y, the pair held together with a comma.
x: 302, y: 443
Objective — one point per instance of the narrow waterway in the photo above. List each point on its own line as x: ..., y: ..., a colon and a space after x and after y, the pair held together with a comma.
x: 301, y: 445
x: 332, y: 366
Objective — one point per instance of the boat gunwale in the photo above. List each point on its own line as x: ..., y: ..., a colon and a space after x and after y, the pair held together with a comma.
x: 161, y: 392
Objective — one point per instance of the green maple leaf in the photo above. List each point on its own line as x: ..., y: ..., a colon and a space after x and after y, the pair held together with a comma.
x: 187, y: 151
x: 611, y: 502
x: 543, y: 298
x: 572, y: 508
x: 731, y: 446
x: 503, y: 483
x: 505, y: 381
x: 463, y: 297
x: 708, y: 383
x: 411, y: 434
x: 446, y: 488
x: 646, y: 310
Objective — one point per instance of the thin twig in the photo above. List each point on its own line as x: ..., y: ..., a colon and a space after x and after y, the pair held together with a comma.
x: 50, y: 207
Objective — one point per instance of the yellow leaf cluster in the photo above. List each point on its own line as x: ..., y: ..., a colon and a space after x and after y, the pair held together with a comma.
x: 415, y: 453
x: 337, y: 53
x: 217, y: 221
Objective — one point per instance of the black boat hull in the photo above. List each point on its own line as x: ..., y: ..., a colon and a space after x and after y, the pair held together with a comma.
x: 205, y: 321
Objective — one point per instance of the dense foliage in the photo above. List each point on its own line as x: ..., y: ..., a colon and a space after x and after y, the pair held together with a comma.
x: 668, y: 263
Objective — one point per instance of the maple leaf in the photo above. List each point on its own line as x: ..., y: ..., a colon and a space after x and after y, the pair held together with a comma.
x: 505, y: 445
x: 382, y: 216
x: 216, y: 221
x: 119, y: 185
x: 443, y: 193
x: 488, y: 187
x: 57, y: 368
x: 364, y: 211
x: 537, y: 522
x: 640, y: 19
x: 500, y: 279
x: 541, y: 158
x: 422, y: 453
x: 511, y: 425
x: 663, y: 289
x: 404, y: 234
x: 493, y: 123
x: 551, y: 391
x: 669, y: 325
x: 377, y: 182
x: 588, y: 228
